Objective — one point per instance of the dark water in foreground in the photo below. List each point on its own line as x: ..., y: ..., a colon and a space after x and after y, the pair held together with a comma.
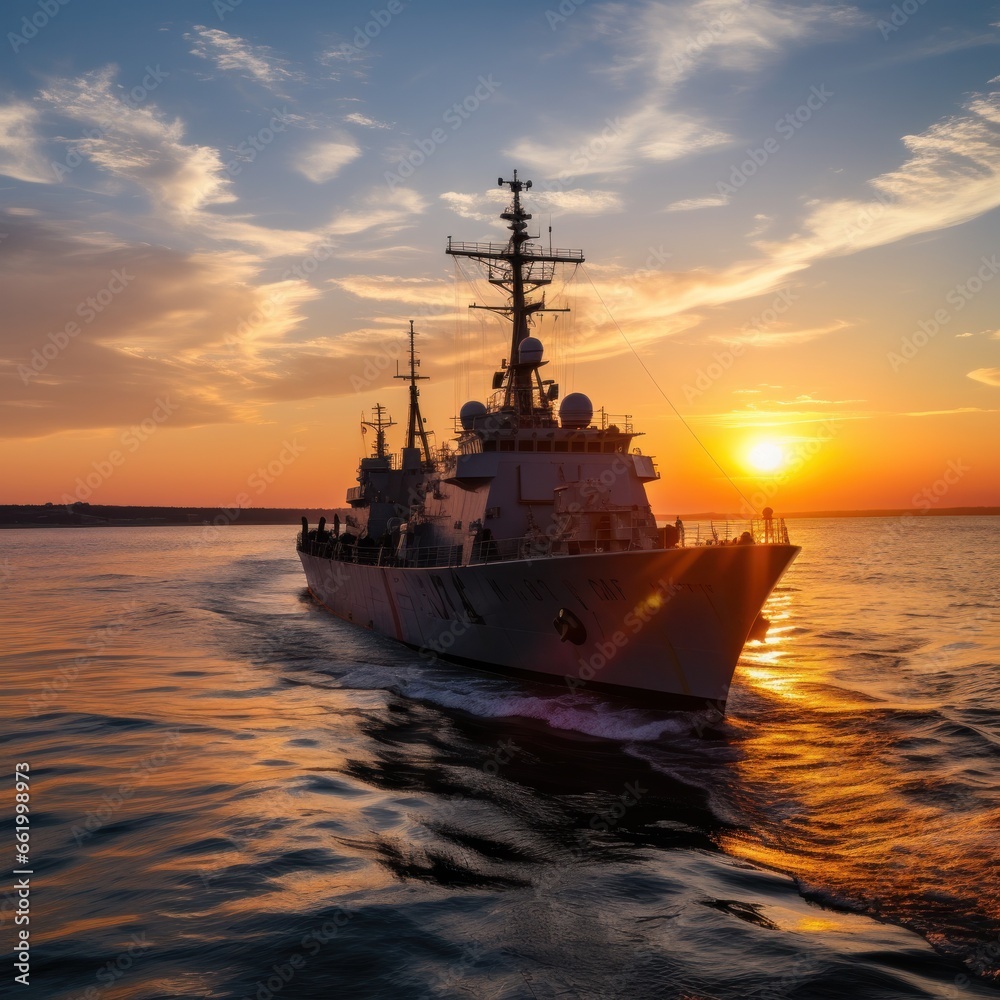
x: 234, y: 794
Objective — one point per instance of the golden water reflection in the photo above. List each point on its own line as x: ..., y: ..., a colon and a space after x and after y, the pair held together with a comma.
x: 861, y: 795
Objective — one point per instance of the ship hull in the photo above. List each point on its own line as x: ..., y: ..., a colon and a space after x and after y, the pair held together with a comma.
x: 666, y: 626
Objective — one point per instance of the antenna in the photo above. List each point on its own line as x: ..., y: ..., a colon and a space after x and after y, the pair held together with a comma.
x: 520, y: 267
x: 415, y: 423
x: 379, y: 423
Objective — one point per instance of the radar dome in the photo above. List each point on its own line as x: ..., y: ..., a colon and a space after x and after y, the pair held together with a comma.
x: 529, y: 351
x: 576, y: 411
x: 470, y: 410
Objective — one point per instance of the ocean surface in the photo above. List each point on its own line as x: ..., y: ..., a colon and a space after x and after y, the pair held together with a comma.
x: 235, y: 794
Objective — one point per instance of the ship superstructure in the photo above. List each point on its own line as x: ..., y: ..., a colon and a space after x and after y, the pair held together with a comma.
x: 530, y: 547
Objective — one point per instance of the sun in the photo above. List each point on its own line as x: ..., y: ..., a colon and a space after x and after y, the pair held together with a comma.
x: 766, y: 456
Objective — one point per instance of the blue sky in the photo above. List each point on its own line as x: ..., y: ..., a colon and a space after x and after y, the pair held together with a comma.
x: 774, y: 199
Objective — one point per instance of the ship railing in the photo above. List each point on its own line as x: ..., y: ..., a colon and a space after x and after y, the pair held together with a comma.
x: 635, y: 536
x: 381, y: 555
x: 763, y: 531
x: 503, y: 549
x: 426, y: 556
x: 620, y: 421
x: 501, y: 249
x: 334, y: 548
x: 769, y: 530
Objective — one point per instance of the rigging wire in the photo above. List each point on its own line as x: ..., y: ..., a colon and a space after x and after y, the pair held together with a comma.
x: 483, y: 296
x: 652, y: 379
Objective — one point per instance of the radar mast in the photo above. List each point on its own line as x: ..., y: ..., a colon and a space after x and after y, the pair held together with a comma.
x: 380, y: 424
x: 415, y: 424
x: 519, y: 267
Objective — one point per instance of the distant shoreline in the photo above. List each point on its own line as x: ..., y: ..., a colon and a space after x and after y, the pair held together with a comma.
x: 110, y: 516
x: 132, y: 516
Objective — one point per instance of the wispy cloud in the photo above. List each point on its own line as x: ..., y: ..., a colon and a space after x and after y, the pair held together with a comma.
x: 690, y: 204
x: 649, y: 133
x: 952, y: 175
x: 773, y: 412
x: 949, y: 413
x: 322, y: 161
x: 780, y: 418
x: 231, y: 53
x: 184, y: 182
x: 673, y: 42
x: 161, y: 335
x: 138, y: 144
x: 407, y: 291
x: 21, y: 154
x: 356, y: 118
x: 655, y: 48
x: 781, y: 333
x: 988, y: 376
x: 388, y: 211
x: 485, y: 206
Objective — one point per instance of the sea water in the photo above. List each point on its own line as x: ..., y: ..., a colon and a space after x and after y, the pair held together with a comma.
x: 235, y: 794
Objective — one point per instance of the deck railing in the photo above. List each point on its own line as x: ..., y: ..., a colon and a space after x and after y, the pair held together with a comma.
x: 504, y: 249
x: 762, y: 531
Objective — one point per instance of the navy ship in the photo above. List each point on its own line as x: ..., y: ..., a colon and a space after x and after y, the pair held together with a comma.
x: 529, y: 547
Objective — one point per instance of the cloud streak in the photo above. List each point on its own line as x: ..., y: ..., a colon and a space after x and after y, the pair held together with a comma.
x: 20, y: 145
x: 322, y: 161
x: 988, y: 376
x: 138, y: 144
x: 233, y: 54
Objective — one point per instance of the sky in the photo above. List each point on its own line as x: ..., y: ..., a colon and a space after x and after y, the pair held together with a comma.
x: 218, y: 216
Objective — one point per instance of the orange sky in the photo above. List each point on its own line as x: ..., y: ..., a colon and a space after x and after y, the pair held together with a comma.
x: 214, y: 238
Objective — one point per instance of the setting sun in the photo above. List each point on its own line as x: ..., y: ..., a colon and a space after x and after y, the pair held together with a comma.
x: 766, y: 456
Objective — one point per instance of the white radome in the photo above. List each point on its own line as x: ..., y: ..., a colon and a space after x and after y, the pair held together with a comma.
x: 576, y: 410
x: 529, y: 351
x: 469, y: 412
